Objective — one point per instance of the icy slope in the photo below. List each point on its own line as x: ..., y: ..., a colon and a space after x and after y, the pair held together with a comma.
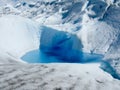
x: 98, y: 20
x: 18, y: 35
x: 101, y: 30
x: 56, y: 77
x: 49, y: 12
x: 95, y: 22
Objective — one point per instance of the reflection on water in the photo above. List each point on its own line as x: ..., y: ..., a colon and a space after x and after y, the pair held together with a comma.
x: 37, y: 56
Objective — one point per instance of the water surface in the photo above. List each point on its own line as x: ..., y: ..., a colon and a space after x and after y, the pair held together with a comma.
x: 38, y: 56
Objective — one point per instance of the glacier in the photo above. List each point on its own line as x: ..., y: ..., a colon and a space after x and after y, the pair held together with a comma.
x: 67, y: 30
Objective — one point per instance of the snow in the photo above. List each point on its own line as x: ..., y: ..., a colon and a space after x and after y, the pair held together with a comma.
x: 95, y: 25
x: 54, y: 19
x: 56, y: 76
x: 96, y: 36
x: 31, y: 36
x: 18, y: 35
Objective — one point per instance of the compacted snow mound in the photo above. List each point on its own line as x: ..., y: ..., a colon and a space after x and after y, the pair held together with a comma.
x: 18, y: 35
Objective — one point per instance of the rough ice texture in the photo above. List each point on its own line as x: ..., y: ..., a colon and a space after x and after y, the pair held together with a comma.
x: 99, y: 32
x: 55, y: 77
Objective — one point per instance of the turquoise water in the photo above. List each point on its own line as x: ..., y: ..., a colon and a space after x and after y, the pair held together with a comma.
x: 109, y: 69
x: 37, y: 56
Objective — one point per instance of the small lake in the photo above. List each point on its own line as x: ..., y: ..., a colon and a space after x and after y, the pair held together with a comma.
x: 37, y: 56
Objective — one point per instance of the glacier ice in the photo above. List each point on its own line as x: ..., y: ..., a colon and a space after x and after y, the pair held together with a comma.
x: 18, y: 35
x: 95, y: 24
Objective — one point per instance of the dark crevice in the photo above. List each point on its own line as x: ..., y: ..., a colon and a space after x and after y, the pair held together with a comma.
x: 109, y: 69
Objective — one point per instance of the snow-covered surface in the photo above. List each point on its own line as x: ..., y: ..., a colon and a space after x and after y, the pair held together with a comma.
x: 55, y: 77
x: 94, y: 22
x: 18, y: 35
